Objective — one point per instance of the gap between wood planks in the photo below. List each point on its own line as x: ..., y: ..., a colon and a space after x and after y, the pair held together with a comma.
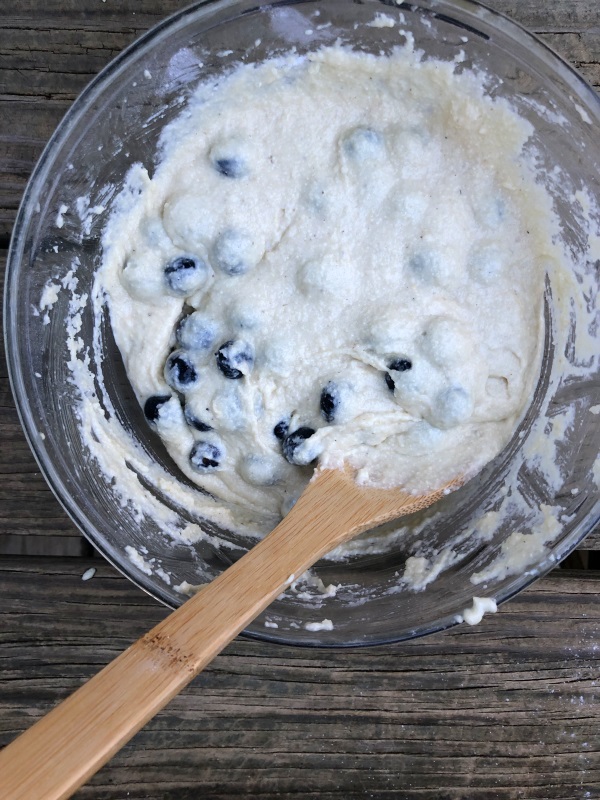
x: 505, y: 710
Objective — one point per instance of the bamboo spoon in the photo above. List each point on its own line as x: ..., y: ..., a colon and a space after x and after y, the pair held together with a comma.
x: 67, y: 746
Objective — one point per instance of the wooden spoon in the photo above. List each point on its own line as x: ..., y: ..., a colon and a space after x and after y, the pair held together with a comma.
x: 61, y: 751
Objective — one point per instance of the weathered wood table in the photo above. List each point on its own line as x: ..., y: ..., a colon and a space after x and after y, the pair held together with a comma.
x: 508, y: 709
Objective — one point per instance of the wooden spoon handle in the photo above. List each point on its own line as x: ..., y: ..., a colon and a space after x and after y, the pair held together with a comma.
x: 61, y: 751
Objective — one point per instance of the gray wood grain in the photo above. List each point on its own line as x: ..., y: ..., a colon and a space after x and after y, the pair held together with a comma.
x: 504, y: 710
x: 50, y: 50
x: 551, y: 15
x: 509, y: 709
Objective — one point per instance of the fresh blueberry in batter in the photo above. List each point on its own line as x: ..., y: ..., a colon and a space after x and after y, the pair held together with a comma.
x: 330, y: 401
x: 231, y: 252
x: 195, y: 332
x: 235, y: 359
x: 398, y: 365
x: 426, y: 265
x: 186, y: 274
x: 453, y: 406
x: 153, y: 405
x: 293, y: 441
x: 194, y: 422
x: 260, y: 470
x: 230, y: 167
x: 363, y: 144
x: 280, y: 430
x: 205, y: 456
x: 180, y: 372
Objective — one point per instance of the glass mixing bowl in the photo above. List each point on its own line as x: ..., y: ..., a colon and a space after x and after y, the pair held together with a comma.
x: 56, y: 249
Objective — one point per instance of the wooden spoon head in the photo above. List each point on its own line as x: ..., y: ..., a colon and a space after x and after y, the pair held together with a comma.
x: 334, y: 495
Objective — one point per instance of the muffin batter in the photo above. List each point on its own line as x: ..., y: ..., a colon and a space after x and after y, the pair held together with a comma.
x: 339, y: 258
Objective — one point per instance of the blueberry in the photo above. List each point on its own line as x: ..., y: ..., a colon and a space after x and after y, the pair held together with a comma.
x: 427, y: 265
x: 196, y: 423
x: 205, y: 456
x: 330, y: 401
x: 195, y: 332
x: 232, y: 252
x: 186, y: 274
x: 293, y: 441
x: 228, y: 408
x: 153, y: 405
x: 235, y: 359
x: 260, y: 470
x: 230, y: 167
x: 453, y: 406
x: 398, y: 365
x: 230, y: 156
x: 362, y: 144
x: 180, y: 372
x: 280, y: 430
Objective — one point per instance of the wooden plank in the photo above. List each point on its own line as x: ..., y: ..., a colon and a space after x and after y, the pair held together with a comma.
x: 68, y: 746
x: 140, y: 14
x: 507, y: 709
x: 551, y: 15
x: 51, y: 50
x: 581, y: 49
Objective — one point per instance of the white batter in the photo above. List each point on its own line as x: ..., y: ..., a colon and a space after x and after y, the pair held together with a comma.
x: 340, y: 257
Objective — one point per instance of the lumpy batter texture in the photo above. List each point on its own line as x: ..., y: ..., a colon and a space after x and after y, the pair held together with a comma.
x: 339, y: 258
